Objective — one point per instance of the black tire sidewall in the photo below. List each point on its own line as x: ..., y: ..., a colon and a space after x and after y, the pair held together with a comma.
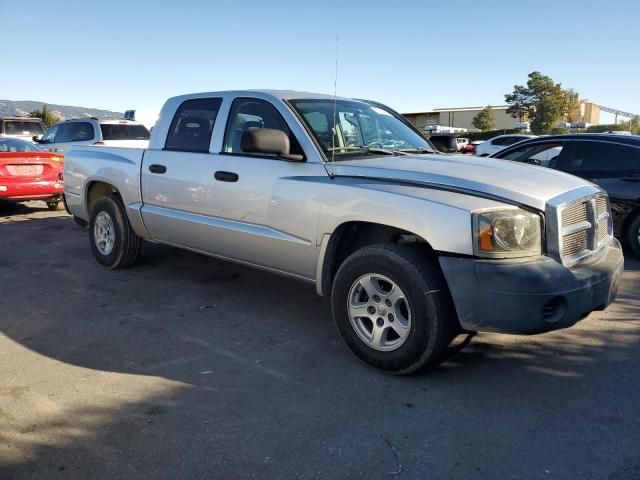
x: 421, y: 292
x: 111, y: 206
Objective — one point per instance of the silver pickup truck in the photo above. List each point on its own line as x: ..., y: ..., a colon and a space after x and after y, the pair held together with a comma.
x: 412, y: 246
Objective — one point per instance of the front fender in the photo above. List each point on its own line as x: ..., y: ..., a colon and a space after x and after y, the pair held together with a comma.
x: 441, y: 218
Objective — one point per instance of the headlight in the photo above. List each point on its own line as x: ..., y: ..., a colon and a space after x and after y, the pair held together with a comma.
x: 507, y: 233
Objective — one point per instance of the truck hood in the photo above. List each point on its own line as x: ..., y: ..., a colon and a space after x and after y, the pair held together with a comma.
x: 514, y: 182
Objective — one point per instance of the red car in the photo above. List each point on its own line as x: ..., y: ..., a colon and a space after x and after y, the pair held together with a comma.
x: 29, y: 173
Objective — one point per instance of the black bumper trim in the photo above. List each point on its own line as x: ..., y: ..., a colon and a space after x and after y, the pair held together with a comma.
x: 532, y: 295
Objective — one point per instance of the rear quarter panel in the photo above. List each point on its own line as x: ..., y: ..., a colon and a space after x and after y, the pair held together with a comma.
x: 119, y: 167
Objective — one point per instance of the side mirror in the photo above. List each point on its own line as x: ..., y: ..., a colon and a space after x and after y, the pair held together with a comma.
x: 37, y: 138
x: 533, y: 161
x: 269, y: 141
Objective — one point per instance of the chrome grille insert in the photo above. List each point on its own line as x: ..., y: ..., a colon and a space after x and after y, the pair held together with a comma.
x: 574, y: 243
x: 578, y: 227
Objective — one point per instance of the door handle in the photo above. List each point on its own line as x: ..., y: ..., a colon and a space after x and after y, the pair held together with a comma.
x: 155, y: 168
x: 223, y: 176
x: 631, y: 178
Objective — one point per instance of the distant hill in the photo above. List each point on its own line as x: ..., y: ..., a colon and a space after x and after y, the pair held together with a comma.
x: 21, y: 108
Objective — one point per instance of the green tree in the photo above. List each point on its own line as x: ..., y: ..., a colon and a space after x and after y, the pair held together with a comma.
x: 47, y: 116
x: 541, y: 102
x: 484, y: 119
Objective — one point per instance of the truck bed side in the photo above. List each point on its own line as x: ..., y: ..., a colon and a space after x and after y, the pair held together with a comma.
x: 88, y: 167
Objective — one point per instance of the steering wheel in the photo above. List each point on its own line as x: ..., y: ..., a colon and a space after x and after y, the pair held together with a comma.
x: 374, y: 145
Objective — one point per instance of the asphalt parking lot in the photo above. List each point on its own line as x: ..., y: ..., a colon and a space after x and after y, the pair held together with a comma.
x: 187, y: 367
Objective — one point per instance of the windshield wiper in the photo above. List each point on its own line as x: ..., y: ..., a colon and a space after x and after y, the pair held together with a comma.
x: 364, y: 148
x: 417, y: 150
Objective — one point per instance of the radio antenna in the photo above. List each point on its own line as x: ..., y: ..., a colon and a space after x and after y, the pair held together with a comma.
x: 335, y: 104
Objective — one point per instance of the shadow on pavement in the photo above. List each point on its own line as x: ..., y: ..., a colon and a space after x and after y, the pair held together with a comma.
x: 188, y: 367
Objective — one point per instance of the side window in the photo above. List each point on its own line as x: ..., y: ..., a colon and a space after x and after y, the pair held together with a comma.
x: 50, y: 135
x: 603, y: 157
x: 74, y: 132
x: 499, y: 141
x: 192, y: 125
x: 545, y: 153
x: 512, y: 140
x: 64, y: 133
x: 84, y: 132
x: 249, y: 113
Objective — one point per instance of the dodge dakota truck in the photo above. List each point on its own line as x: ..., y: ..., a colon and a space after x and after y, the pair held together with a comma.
x: 412, y: 246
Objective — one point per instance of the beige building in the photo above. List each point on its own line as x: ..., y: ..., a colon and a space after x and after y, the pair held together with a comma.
x: 586, y: 112
x: 463, y: 117
x: 458, y: 117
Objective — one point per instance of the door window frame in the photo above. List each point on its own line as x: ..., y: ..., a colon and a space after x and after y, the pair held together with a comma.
x: 230, y: 112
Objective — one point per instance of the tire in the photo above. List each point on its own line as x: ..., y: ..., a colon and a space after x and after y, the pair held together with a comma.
x: 118, y: 246
x: 633, y: 235
x: 55, y: 205
x: 429, y: 314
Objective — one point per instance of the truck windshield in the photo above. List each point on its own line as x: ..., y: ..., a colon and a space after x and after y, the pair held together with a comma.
x: 117, y: 131
x: 346, y: 129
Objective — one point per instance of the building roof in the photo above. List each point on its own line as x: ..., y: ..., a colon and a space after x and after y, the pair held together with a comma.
x: 457, y: 109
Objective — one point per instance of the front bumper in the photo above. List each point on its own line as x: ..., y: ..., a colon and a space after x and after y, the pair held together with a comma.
x: 19, y: 189
x: 533, y: 295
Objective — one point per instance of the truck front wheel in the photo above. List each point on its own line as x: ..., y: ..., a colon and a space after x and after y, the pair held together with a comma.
x: 113, y: 242
x: 392, y: 308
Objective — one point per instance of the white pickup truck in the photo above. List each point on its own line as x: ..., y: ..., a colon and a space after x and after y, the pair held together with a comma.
x: 412, y: 246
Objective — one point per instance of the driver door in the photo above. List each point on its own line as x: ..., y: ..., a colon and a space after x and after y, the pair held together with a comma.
x: 267, y: 208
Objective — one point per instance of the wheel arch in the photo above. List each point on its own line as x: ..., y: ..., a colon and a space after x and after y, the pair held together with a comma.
x: 351, y: 236
x: 96, y: 189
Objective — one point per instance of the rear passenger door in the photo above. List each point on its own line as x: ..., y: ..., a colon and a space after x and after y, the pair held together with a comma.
x: 178, y: 181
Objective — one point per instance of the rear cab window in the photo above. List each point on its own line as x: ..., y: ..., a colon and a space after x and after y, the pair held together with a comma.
x: 124, y: 131
x: 22, y: 127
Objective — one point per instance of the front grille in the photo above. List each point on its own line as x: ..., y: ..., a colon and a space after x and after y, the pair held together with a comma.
x: 603, y: 230
x: 583, y: 227
x: 574, y: 214
x: 574, y: 243
x: 602, y: 205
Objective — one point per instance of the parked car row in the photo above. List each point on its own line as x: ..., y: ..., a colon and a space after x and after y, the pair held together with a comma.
x: 91, y: 131
x: 31, y: 159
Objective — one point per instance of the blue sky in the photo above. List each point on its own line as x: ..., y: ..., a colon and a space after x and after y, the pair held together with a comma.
x: 411, y: 55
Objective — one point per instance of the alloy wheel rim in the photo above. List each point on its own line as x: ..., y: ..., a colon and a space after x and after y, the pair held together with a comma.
x: 379, y: 312
x: 104, y: 233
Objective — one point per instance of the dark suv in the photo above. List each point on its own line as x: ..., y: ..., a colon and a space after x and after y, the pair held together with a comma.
x: 610, y: 161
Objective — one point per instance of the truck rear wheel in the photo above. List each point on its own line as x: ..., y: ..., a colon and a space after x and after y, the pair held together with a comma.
x: 113, y: 242
x: 392, y: 308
